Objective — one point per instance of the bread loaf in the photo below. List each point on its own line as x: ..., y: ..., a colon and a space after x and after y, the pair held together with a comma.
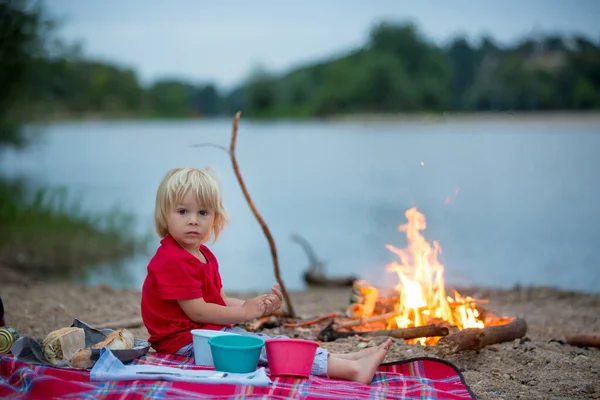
x: 60, y: 345
x: 120, y: 339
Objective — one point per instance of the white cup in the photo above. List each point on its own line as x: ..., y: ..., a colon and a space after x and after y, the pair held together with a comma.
x: 202, y: 352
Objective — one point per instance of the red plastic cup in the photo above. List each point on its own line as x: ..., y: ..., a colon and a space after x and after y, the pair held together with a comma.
x: 291, y: 357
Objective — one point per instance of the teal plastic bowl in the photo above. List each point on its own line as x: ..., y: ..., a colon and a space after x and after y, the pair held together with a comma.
x: 235, y: 353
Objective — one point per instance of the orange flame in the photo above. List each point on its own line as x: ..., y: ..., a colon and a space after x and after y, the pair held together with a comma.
x: 422, y: 291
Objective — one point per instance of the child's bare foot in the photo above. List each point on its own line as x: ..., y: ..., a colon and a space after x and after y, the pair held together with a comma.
x: 369, y: 364
x: 360, y: 370
x: 357, y: 355
x: 386, y: 345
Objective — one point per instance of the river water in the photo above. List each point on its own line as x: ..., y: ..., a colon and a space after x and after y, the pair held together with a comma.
x: 510, y: 202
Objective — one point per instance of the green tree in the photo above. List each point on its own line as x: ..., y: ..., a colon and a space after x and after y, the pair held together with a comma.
x: 464, y: 62
x: 171, y: 98
x: 22, y: 25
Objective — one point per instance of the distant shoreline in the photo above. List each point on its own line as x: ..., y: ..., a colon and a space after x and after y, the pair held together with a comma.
x: 592, y: 117
x: 569, y: 117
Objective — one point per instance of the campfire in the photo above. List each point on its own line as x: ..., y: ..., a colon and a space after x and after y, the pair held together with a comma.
x: 417, y: 307
x: 420, y: 295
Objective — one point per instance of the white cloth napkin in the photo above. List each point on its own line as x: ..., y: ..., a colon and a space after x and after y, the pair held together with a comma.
x: 110, y: 368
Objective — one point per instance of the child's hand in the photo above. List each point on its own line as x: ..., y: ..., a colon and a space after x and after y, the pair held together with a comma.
x: 275, y: 290
x: 272, y: 302
x: 255, y: 308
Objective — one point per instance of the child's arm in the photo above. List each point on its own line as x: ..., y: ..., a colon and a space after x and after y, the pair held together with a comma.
x: 231, y: 301
x: 200, y: 311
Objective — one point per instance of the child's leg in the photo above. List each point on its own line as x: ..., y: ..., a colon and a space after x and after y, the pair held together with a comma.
x: 357, y: 355
x: 319, y: 366
x: 361, y: 370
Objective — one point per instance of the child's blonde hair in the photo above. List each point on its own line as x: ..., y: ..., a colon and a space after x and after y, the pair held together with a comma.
x: 176, y: 185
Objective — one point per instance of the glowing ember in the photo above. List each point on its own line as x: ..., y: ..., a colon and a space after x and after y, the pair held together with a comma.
x: 422, y: 291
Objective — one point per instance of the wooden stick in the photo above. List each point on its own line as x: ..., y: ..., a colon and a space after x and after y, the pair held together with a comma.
x: 257, y: 215
x: 476, y: 338
x: 363, y: 321
x: 124, y: 323
x: 328, y: 334
x: 583, y: 340
x: 311, y: 321
x: 262, y: 223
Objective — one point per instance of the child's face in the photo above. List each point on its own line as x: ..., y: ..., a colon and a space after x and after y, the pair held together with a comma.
x: 190, y: 223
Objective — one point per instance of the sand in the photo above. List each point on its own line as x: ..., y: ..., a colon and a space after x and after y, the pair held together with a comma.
x: 538, y: 368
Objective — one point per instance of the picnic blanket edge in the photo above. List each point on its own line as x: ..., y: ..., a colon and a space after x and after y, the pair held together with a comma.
x: 448, y: 363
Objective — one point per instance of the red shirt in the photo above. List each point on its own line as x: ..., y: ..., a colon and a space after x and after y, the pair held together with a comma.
x: 174, y: 274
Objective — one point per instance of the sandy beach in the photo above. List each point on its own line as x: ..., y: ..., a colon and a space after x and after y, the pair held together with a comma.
x: 539, y: 368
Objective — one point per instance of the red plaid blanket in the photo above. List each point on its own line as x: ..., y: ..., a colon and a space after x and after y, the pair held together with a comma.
x: 421, y: 378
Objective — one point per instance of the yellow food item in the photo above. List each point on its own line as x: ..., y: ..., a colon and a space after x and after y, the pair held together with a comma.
x: 60, y: 345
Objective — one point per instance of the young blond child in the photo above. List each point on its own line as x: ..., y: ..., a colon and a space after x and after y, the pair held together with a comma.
x: 183, y: 289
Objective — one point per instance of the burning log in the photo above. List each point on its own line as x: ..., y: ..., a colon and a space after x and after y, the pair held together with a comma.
x: 328, y: 334
x: 583, y: 340
x: 476, y: 338
x: 490, y: 318
x: 266, y: 321
x: 363, y: 321
x: 311, y: 321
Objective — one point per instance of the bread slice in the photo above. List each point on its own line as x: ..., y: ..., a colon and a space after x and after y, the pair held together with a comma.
x: 60, y: 345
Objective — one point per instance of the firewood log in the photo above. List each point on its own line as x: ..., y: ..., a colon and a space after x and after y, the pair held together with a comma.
x: 476, y: 338
x: 583, y: 340
x: 328, y: 334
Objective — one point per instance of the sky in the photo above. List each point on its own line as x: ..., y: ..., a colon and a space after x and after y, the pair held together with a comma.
x: 222, y: 42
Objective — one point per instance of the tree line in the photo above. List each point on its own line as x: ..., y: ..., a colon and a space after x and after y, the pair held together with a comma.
x: 397, y: 71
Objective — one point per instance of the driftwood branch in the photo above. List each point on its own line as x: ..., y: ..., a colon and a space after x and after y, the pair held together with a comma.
x: 310, y: 252
x: 476, y: 338
x: 329, y: 334
x: 315, y: 279
x: 124, y: 323
x: 315, y: 274
x: 583, y: 340
x: 262, y: 223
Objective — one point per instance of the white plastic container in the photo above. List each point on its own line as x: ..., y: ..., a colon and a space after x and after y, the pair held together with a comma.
x: 202, y: 352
